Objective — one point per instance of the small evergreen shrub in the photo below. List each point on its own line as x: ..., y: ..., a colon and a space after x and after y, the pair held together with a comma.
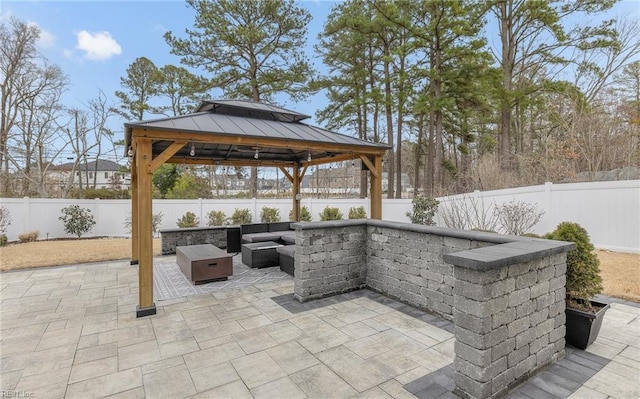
x: 29, y: 237
x: 3, y: 240
x: 424, y: 209
x: 76, y: 220
x: 357, y: 213
x: 269, y: 215
x: 216, y: 218
x: 330, y: 213
x: 305, y: 214
x: 189, y: 219
x: 241, y: 216
x: 583, y: 271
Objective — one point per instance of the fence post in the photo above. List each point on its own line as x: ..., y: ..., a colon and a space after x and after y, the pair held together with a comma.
x: 97, y: 218
x: 548, y: 203
x: 26, y: 220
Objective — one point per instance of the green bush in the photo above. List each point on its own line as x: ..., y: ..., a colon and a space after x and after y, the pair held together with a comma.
x: 3, y: 240
x: 583, y: 271
x: 330, y: 213
x: 216, y: 218
x: 424, y: 209
x: 29, y: 237
x: 189, y: 219
x: 357, y: 213
x: 76, y: 220
x: 305, y: 214
x: 269, y: 215
x: 241, y: 216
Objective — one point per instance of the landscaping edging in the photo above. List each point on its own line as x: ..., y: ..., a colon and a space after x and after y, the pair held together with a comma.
x: 504, y: 294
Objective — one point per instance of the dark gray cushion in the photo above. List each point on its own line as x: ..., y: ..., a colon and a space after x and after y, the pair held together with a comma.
x: 260, y: 237
x: 288, y: 237
x: 288, y: 250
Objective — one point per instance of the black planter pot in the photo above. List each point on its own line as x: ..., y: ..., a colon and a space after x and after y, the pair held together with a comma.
x: 583, y: 327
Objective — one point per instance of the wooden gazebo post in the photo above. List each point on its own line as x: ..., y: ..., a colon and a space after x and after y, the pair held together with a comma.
x: 295, y: 191
x: 134, y: 212
x: 143, y: 154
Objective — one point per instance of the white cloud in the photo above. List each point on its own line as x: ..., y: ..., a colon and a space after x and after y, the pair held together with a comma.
x: 97, y: 46
x: 46, y: 40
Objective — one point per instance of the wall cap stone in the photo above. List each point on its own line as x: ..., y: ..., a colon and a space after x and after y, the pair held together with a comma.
x: 510, y: 253
x: 199, y: 228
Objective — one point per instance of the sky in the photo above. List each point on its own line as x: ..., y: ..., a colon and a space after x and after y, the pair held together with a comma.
x: 94, y: 42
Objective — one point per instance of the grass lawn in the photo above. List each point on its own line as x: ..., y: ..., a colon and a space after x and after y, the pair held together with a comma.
x: 67, y: 252
x: 620, y: 271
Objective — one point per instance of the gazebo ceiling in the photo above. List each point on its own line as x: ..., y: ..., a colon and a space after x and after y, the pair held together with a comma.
x: 234, y: 131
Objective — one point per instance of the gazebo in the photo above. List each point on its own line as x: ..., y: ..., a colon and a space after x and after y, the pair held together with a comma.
x: 232, y: 133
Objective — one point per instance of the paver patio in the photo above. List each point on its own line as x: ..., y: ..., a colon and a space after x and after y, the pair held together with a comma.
x: 72, y: 332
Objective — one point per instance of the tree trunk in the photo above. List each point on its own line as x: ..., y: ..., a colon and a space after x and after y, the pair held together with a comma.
x: 389, y: 114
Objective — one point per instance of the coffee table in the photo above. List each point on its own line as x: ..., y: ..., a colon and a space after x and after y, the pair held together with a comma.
x: 204, y: 263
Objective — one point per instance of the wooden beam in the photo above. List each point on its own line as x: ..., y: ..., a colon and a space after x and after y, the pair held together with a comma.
x: 165, y: 155
x: 296, y: 193
x: 286, y: 173
x: 376, y: 188
x: 146, y: 305
x: 134, y: 212
x: 369, y: 165
x: 267, y: 142
x: 229, y: 162
x: 302, y: 173
x: 335, y: 158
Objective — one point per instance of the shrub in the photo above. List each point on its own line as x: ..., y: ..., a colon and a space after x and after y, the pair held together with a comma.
x: 5, y: 219
x: 517, y: 217
x: 76, y: 220
x: 424, y: 209
x: 29, y: 237
x: 357, y: 213
x: 189, y: 219
x: 241, y: 216
x: 330, y: 213
x: 156, y: 221
x: 583, y: 272
x: 269, y: 215
x: 216, y: 218
x: 3, y: 240
x: 305, y: 214
x: 469, y: 213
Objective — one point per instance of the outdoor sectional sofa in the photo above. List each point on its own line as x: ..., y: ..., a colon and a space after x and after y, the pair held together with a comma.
x: 280, y: 233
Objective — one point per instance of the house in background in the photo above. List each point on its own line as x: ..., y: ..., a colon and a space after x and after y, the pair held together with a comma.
x: 94, y: 174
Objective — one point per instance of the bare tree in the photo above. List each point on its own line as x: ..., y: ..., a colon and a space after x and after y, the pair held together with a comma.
x: 19, y: 67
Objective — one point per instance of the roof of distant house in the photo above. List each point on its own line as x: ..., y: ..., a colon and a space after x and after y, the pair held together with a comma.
x: 101, y: 165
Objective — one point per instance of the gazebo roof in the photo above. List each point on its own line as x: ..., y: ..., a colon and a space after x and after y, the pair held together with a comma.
x: 235, y: 130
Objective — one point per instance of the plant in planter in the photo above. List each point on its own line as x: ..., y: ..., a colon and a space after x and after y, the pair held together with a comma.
x: 584, y: 316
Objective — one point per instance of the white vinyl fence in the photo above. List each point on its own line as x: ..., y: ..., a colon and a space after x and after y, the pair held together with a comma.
x: 609, y: 211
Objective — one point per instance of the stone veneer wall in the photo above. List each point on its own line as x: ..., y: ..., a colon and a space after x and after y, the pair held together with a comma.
x: 504, y: 294
x: 509, y: 321
x: 330, y: 261
x: 172, y: 238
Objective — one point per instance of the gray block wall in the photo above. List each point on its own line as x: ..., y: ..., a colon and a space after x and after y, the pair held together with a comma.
x: 172, y: 238
x: 329, y: 260
x: 407, y: 265
x: 509, y: 322
x: 504, y: 294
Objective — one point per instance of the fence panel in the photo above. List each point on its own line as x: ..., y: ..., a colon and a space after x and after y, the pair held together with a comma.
x: 610, y: 211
